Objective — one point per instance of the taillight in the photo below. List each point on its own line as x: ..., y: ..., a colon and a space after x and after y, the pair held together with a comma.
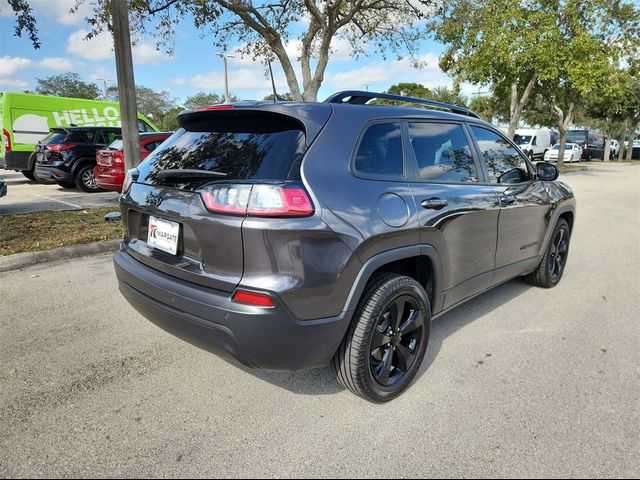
x: 118, y: 158
x: 260, y: 200
x: 132, y: 176
x: 60, y: 147
x: 210, y: 108
x: 7, y: 140
x: 253, y: 298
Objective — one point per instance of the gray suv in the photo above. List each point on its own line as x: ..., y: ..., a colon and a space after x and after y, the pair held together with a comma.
x: 290, y: 235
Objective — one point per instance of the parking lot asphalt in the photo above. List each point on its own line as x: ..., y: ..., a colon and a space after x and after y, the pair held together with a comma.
x: 25, y: 196
x: 520, y: 381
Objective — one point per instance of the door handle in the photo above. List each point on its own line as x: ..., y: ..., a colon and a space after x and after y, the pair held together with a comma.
x: 507, y: 199
x: 434, y: 203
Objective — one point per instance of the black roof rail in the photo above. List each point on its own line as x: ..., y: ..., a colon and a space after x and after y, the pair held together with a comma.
x: 359, y: 97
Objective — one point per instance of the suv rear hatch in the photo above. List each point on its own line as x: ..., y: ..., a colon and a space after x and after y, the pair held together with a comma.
x: 59, y: 140
x: 201, y: 179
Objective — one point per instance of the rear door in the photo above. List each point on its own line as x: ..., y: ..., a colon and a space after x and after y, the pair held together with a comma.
x: 234, y: 148
x: 524, y: 202
x: 458, y: 211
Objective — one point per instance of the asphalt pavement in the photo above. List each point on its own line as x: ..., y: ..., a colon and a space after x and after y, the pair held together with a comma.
x: 25, y: 196
x: 520, y: 381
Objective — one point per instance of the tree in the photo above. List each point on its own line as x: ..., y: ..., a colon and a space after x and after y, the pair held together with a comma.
x: 202, y: 99
x: 485, y: 106
x: 449, y: 95
x: 152, y: 104
x: 67, y: 85
x: 415, y: 90
x: 266, y: 29
x: 285, y: 96
x: 499, y: 43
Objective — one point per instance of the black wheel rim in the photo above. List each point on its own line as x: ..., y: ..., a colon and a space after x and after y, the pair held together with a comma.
x: 396, y: 340
x: 558, y: 255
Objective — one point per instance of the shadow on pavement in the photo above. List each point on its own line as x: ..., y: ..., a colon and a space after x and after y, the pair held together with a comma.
x: 322, y: 381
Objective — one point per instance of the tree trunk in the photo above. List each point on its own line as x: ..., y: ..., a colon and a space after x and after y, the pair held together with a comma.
x: 607, y: 149
x: 564, y: 122
x: 517, y: 104
x: 621, y: 146
x: 632, y: 135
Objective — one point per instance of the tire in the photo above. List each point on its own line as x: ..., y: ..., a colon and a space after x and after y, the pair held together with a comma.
x: 85, y: 180
x: 379, y: 373
x: 549, y: 272
x: 29, y: 174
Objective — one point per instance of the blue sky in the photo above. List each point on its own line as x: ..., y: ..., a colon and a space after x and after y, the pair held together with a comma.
x: 194, y: 66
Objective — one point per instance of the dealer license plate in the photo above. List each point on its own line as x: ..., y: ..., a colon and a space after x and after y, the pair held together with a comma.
x: 163, y: 234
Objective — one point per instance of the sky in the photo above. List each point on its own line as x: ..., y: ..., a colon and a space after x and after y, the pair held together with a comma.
x: 194, y: 66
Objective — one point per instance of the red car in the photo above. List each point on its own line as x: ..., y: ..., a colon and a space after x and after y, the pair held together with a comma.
x: 109, y: 170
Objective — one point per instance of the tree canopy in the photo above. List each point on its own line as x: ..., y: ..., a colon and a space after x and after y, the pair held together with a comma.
x: 67, y: 85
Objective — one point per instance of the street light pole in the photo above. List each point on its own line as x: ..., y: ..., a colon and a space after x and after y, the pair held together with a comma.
x: 226, y: 76
x: 105, y: 80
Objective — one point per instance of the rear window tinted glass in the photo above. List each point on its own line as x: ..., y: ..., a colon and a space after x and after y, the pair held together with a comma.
x: 116, y: 145
x: 74, y: 136
x: 442, y: 152
x: 54, y: 137
x: 255, y: 155
x: 577, y: 137
x: 380, y: 151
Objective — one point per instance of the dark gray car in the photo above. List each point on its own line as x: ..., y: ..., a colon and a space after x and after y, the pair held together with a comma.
x: 290, y: 235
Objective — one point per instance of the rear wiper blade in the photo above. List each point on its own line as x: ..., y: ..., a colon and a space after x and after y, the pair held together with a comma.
x: 188, y: 173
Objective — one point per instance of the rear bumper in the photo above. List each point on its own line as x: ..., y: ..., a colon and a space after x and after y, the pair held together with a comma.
x: 43, y: 173
x: 108, y: 178
x: 267, y: 338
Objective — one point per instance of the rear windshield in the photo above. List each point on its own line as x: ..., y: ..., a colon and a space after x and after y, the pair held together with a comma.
x: 74, y: 136
x: 260, y: 153
x: 577, y: 137
x: 115, y: 145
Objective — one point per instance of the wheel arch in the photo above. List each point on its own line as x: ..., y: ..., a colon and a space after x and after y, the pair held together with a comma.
x: 410, y: 261
x: 81, y: 162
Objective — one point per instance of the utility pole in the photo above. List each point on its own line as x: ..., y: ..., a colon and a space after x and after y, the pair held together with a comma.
x: 366, y: 86
x: 126, y: 83
x: 105, y: 80
x: 226, y: 76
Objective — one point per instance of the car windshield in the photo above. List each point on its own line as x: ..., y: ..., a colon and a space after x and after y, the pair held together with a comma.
x: 523, y: 139
x: 115, y: 145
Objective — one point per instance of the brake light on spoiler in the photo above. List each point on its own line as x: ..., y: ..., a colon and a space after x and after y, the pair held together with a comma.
x: 258, y: 200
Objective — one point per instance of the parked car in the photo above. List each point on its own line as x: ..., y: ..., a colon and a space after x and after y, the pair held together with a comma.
x: 591, y: 142
x: 635, y: 153
x: 290, y: 235
x: 615, y: 148
x: 26, y: 119
x: 109, y: 170
x: 534, y: 142
x: 67, y: 156
x: 572, y: 153
x: 3, y: 188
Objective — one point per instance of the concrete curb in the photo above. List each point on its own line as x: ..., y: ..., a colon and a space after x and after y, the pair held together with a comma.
x: 21, y: 260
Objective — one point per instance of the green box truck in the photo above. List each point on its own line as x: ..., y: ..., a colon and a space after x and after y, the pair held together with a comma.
x: 25, y: 119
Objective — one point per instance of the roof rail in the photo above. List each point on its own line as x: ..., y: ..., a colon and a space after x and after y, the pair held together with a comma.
x: 359, y: 97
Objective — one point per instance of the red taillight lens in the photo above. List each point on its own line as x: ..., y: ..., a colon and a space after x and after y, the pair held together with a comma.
x: 258, y: 200
x: 210, y: 108
x: 7, y: 140
x: 60, y: 147
x: 118, y: 158
x: 253, y: 298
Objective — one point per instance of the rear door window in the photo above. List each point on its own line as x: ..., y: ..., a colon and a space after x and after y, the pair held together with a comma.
x: 442, y: 152
x: 260, y: 152
x: 380, y: 152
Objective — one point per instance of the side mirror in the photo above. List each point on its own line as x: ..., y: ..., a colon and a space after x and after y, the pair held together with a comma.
x: 547, y: 172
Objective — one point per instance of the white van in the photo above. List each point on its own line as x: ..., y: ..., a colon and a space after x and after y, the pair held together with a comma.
x: 534, y: 141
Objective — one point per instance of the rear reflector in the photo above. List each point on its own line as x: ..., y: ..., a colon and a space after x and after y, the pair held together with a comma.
x: 253, y: 298
x: 260, y: 200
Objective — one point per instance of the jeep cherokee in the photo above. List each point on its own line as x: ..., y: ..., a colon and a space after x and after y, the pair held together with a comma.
x: 290, y: 235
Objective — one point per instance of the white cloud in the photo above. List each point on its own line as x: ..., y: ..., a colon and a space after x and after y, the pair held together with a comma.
x: 58, y: 9
x: 56, y: 63
x: 146, y: 53
x: 100, y: 72
x: 10, y: 65
x: 99, y: 47
x: 240, y: 79
x: 13, y: 84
